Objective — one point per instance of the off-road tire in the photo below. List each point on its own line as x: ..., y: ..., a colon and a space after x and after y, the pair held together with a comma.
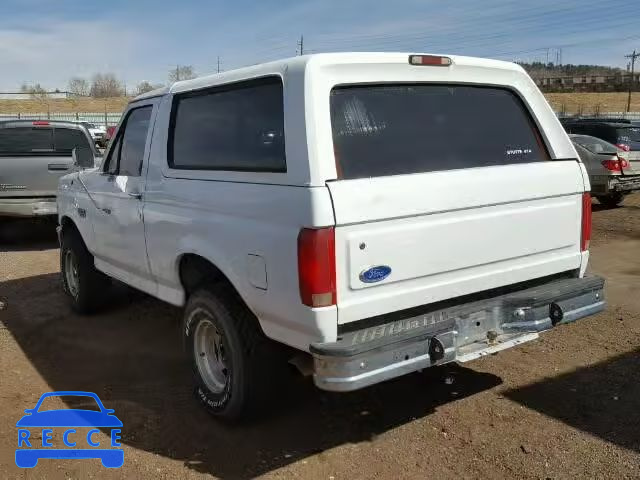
x: 254, y: 364
x: 92, y: 286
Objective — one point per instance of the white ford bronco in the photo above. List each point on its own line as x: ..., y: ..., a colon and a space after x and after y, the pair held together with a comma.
x: 377, y: 212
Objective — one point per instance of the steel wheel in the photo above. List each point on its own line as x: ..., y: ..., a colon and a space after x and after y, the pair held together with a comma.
x: 71, y: 273
x: 210, y: 353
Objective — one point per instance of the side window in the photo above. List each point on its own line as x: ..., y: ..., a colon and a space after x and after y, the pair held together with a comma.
x: 66, y: 139
x: 111, y: 165
x: 127, y: 153
x: 237, y: 127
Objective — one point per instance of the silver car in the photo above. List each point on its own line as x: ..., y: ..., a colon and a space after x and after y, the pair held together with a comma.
x: 610, y: 173
x: 33, y: 155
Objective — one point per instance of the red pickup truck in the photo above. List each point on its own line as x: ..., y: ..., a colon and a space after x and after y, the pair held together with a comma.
x: 110, y: 131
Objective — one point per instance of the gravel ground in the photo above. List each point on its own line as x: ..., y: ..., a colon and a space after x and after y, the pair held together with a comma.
x: 564, y: 406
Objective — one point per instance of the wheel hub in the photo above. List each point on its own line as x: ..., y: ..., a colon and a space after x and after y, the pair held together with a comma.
x: 210, y: 354
x: 71, y: 273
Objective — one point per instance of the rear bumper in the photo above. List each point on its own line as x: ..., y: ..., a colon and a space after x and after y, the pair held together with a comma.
x: 28, y: 207
x: 459, y: 333
x: 625, y: 184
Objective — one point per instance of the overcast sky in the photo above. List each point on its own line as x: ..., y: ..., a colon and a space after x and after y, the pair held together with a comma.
x: 49, y: 41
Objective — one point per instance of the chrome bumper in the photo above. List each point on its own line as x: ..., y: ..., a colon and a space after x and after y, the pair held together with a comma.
x: 457, y: 333
x: 626, y: 184
x: 28, y: 207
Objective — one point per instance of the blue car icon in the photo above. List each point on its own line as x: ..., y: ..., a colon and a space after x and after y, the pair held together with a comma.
x: 68, y: 419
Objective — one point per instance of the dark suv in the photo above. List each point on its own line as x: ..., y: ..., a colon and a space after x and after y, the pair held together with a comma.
x: 620, y: 132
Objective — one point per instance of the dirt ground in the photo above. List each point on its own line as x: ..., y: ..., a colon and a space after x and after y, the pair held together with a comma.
x: 565, y: 406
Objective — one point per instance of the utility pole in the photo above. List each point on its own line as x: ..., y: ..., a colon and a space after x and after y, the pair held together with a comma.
x: 633, y: 57
x: 177, y: 73
x: 301, y: 44
x: 218, y: 63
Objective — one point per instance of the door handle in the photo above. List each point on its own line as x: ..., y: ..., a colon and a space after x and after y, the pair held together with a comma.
x: 58, y: 166
x: 137, y: 196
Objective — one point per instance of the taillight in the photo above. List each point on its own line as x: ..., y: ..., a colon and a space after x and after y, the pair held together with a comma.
x: 317, y: 266
x: 623, y: 146
x: 612, y: 165
x: 585, y: 237
x: 623, y: 163
x: 40, y: 123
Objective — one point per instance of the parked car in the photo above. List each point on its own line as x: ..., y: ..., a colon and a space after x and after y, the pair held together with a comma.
x: 33, y: 155
x: 623, y: 134
x: 610, y: 175
x: 329, y: 207
x: 97, y: 133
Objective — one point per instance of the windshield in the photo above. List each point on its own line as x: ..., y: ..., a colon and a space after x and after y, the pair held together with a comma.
x: 89, y: 125
x: 386, y: 129
x: 593, y: 144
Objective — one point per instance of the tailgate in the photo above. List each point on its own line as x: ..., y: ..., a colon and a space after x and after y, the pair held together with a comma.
x: 31, y: 176
x: 444, y: 190
x: 447, y: 234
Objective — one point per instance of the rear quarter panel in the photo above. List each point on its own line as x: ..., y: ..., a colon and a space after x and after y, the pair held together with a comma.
x: 241, y: 223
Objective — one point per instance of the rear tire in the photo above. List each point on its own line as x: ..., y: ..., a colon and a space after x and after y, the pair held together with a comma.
x: 612, y: 200
x: 235, y: 367
x: 84, y: 286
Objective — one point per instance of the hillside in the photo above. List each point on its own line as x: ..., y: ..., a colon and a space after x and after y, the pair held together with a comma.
x: 573, y: 102
x: 590, y: 103
x: 540, y: 70
x: 63, y: 105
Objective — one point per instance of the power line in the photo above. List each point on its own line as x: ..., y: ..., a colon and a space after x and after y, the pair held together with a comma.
x: 487, y: 39
x: 301, y: 45
x: 633, y: 57
x: 508, y: 26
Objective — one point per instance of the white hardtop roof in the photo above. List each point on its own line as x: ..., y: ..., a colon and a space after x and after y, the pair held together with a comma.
x: 320, y: 59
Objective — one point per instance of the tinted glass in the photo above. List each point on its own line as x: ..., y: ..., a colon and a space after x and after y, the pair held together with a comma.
x: 111, y: 165
x: 402, y: 129
x: 133, y: 142
x: 235, y: 128
x: 66, y: 139
x: 594, y: 145
x: 628, y: 135
x: 25, y: 140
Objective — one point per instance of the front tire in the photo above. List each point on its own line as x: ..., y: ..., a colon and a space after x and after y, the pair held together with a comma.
x: 235, y: 367
x: 612, y: 200
x: 84, y: 286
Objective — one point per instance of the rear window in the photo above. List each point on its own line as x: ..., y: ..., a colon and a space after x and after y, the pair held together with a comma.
x: 21, y: 140
x: 237, y: 127
x: 41, y: 140
x: 381, y: 130
x: 594, y: 145
x: 628, y: 135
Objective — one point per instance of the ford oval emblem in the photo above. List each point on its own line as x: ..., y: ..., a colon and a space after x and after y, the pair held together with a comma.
x: 375, y: 274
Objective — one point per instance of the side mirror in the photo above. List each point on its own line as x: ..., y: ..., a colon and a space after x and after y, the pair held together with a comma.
x: 82, y: 157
